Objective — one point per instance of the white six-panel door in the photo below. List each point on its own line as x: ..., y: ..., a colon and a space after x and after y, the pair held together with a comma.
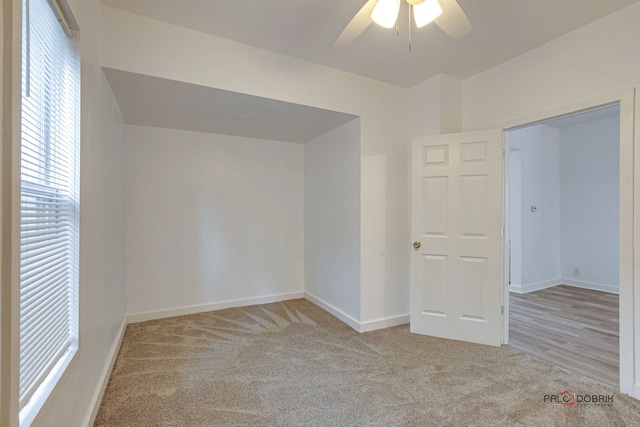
x: 456, y: 226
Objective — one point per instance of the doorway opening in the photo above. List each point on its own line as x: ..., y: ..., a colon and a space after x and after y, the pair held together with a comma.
x: 563, y: 259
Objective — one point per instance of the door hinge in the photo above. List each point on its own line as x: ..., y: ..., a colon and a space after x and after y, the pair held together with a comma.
x: 502, y: 310
x: 502, y: 231
x: 503, y: 153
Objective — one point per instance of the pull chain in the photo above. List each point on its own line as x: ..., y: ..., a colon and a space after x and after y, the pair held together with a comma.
x: 410, y: 11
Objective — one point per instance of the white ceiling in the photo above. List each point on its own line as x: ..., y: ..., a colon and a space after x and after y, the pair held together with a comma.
x: 502, y: 29
x: 152, y: 101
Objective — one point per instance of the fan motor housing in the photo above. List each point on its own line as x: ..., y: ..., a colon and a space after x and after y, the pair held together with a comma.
x: 414, y: 2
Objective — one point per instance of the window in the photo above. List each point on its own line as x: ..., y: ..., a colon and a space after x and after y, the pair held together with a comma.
x: 49, y: 203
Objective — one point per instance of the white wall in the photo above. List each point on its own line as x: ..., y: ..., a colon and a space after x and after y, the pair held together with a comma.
x: 425, y: 108
x: 571, y: 176
x: 435, y: 106
x: 589, y: 203
x: 540, y: 184
x: 595, y: 60
x: 332, y: 220
x: 211, y: 219
x: 102, y: 287
x: 137, y: 44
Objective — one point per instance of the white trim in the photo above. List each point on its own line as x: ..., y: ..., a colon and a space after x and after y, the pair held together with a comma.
x: 570, y: 110
x: 103, y: 381
x: 506, y: 237
x: 34, y: 405
x: 629, y: 214
x: 368, y: 326
x: 385, y: 322
x: 333, y: 310
x: 536, y: 286
x: 201, y: 308
x: 629, y: 211
x: 532, y: 287
x: 591, y: 285
x: 636, y: 391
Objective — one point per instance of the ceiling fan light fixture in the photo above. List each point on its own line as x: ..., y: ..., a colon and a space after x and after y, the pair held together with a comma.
x: 426, y: 12
x: 385, y: 13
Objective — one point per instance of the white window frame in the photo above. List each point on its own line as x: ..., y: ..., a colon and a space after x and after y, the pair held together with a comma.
x: 54, y: 363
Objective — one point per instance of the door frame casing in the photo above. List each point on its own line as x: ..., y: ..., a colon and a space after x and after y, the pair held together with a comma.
x: 629, y: 246
x: 514, y: 237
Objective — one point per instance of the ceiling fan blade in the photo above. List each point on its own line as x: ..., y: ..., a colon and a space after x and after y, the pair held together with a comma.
x: 358, y: 24
x: 453, y: 20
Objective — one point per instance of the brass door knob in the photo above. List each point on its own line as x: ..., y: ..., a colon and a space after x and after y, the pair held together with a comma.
x: 417, y: 244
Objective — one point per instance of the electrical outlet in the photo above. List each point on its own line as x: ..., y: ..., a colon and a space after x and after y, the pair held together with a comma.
x: 576, y: 271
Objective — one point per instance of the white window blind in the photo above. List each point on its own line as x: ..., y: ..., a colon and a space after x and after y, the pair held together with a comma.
x: 49, y: 203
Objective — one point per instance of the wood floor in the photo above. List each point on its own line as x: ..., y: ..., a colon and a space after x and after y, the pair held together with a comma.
x: 571, y: 327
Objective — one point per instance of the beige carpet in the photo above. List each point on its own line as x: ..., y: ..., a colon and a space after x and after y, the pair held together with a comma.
x: 293, y: 364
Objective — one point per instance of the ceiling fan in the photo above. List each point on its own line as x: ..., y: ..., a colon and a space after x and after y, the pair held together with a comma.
x: 447, y: 14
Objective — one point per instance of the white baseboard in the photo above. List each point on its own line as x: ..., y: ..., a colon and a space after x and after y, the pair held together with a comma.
x: 531, y: 287
x: 201, y: 308
x: 591, y: 285
x: 333, y: 310
x: 90, y: 418
x: 368, y: 326
x: 636, y: 391
x: 383, y: 323
x: 515, y: 289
